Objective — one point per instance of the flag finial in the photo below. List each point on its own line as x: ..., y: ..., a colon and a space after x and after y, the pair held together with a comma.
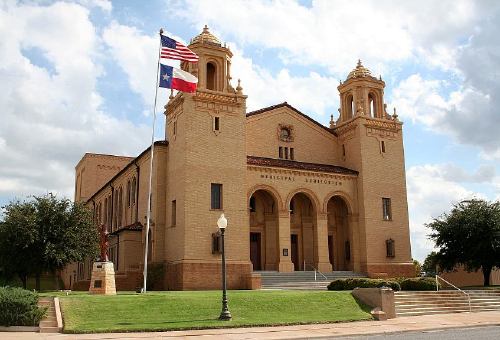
x: 161, y: 31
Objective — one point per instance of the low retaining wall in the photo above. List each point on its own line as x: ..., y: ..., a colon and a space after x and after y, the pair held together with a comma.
x: 380, y: 299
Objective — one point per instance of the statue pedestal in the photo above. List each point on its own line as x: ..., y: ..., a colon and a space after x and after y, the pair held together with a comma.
x: 103, y: 279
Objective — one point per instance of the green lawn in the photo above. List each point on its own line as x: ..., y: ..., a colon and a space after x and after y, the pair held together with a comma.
x: 157, y: 311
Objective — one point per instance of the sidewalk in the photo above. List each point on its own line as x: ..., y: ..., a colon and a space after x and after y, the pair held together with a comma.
x: 405, y: 324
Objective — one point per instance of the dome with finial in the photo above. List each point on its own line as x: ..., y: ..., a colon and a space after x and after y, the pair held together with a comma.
x: 206, y: 37
x: 359, y: 72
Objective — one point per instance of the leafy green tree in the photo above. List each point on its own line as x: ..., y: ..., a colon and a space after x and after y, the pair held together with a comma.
x: 44, y: 234
x: 469, y: 235
x: 418, y: 268
x: 430, y: 263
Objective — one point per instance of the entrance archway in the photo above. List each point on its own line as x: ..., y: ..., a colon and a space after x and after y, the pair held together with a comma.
x: 302, y: 224
x: 339, y: 235
x: 264, y: 245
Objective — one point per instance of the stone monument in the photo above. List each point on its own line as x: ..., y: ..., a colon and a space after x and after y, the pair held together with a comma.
x: 103, y: 273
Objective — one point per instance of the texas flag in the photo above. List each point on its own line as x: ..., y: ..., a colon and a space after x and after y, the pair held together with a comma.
x: 173, y: 78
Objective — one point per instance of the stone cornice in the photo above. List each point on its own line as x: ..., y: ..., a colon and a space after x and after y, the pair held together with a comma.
x: 304, y: 173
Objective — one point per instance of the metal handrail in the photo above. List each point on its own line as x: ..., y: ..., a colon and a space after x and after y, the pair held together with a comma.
x: 315, y: 271
x: 451, y: 284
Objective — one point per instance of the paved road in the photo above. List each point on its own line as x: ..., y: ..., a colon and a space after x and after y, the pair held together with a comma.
x: 482, y: 333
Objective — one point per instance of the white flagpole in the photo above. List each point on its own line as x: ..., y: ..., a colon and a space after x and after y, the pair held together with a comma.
x: 148, y: 214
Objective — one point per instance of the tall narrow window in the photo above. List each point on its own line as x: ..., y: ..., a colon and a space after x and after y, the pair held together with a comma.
x: 174, y: 213
x: 120, y: 208
x: 286, y: 153
x: 390, y: 249
x: 343, y: 150
x: 216, y: 196
x: 292, y: 156
x: 134, y: 185
x: 280, y: 150
x: 216, y: 123
x: 106, y: 211
x: 382, y: 146
x: 175, y: 127
x: 210, y: 76
x: 128, y: 194
x: 386, y: 209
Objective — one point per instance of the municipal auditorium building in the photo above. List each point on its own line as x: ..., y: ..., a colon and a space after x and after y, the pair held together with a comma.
x: 298, y: 195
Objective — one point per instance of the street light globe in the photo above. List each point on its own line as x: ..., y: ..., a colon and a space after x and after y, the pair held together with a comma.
x: 222, y: 221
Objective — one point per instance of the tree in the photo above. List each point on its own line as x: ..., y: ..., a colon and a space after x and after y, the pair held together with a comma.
x: 430, y: 263
x: 470, y: 236
x: 44, y: 234
x: 418, y: 268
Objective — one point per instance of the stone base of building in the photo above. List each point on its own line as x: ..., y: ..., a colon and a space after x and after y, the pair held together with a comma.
x: 382, y: 271
x: 208, y: 275
x: 103, y: 279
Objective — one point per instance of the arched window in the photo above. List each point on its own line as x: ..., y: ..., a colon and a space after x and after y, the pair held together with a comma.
x: 120, y: 207
x: 349, y: 108
x: 128, y: 194
x: 105, y: 211
x: 211, y: 76
x: 372, y: 104
x: 134, y: 186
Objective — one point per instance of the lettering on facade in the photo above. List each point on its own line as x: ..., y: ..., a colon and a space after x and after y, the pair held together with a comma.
x: 307, y: 180
x: 322, y: 181
x: 279, y: 177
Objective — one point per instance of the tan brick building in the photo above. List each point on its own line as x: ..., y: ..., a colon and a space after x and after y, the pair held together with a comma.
x: 297, y: 195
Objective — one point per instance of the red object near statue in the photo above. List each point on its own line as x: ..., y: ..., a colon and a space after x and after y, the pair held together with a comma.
x: 103, y: 243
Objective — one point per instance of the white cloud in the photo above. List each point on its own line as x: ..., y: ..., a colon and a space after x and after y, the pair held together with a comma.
x: 432, y: 189
x: 336, y: 33
x: 50, y: 107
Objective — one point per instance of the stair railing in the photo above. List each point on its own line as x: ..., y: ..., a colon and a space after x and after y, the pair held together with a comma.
x: 451, y: 284
x: 316, y: 271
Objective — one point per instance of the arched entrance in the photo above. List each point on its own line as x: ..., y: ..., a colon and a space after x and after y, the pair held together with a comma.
x: 264, y: 245
x: 340, y: 240
x: 302, y: 228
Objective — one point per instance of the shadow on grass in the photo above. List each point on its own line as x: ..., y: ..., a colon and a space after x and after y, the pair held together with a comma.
x: 363, y: 306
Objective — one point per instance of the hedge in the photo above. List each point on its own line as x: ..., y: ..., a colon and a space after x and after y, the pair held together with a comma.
x: 350, y: 284
x: 418, y: 283
x: 18, y: 307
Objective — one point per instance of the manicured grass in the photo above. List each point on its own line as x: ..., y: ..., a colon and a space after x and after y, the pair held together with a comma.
x: 157, y: 311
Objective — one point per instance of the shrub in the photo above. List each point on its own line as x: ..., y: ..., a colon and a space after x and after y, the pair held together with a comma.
x: 18, y: 307
x: 349, y: 284
x: 418, y: 283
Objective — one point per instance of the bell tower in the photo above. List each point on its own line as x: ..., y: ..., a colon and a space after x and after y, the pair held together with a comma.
x: 206, y: 172
x: 213, y: 69
x: 371, y: 142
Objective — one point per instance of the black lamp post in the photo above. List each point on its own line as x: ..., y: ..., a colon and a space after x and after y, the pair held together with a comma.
x: 225, y: 315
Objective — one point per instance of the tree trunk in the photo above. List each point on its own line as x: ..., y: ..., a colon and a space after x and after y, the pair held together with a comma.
x: 37, y: 282
x: 486, y: 276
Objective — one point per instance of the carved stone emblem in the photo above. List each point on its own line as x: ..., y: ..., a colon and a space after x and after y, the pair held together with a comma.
x: 285, y: 133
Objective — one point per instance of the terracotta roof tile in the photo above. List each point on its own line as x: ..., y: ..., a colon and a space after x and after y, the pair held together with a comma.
x: 288, y: 164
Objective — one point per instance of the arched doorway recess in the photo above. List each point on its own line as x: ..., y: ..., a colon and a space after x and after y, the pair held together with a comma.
x: 303, y: 248
x: 264, y: 242
x: 340, y: 235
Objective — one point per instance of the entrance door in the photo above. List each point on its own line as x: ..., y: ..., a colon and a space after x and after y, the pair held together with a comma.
x: 255, y: 250
x: 330, y: 249
x: 294, y: 241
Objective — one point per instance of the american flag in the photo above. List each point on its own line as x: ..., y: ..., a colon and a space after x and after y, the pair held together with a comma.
x: 171, y: 49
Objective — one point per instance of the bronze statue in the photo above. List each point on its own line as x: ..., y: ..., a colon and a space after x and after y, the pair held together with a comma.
x: 103, y: 243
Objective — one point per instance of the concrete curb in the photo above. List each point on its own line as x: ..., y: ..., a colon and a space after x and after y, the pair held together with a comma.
x: 19, y: 329
x: 58, y: 314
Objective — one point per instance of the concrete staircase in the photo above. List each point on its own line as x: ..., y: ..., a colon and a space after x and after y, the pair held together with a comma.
x: 302, y: 279
x: 49, y: 323
x: 445, y: 301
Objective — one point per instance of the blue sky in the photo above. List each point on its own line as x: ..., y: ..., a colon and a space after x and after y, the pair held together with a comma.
x: 78, y: 77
